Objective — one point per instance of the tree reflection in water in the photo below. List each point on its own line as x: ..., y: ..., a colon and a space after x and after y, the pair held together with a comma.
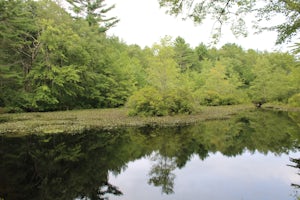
x: 161, y: 172
x: 296, y: 164
x: 65, y: 166
x: 57, y: 167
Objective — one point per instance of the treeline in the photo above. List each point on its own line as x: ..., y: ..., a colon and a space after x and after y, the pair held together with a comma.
x: 180, y: 78
x: 51, y: 60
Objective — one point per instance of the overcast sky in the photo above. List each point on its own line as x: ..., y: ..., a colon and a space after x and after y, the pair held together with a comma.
x: 142, y: 22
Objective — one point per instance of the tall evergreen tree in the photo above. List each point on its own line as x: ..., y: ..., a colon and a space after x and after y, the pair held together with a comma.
x: 185, y: 57
x: 94, y: 11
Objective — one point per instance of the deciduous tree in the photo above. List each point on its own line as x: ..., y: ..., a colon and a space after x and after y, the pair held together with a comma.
x: 235, y: 12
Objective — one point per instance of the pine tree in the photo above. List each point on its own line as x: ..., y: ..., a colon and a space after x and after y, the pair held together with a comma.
x: 94, y: 11
x: 185, y: 57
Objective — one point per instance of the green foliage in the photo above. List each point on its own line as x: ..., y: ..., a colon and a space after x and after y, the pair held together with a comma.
x: 212, y: 98
x: 53, y: 62
x: 147, y: 101
x: 54, y: 87
x: 235, y: 12
x: 219, y: 88
x: 220, y: 77
x: 201, y: 52
x: 184, y: 56
x: 94, y: 13
x: 50, y: 60
x: 18, y: 47
x: 295, y: 81
x: 150, y: 102
x: 295, y: 100
x: 165, y: 94
x: 272, y: 80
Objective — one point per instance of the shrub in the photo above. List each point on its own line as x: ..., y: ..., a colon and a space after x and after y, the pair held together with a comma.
x: 12, y: 110
x: 294, y: 100
x: 145, y: 102
x: 151, y: 102
x: 213, y: 98
x: 209, y: 98
x: 229, y: 100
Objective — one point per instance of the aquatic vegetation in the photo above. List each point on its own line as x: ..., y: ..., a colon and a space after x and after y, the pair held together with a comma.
x: 77, y: 121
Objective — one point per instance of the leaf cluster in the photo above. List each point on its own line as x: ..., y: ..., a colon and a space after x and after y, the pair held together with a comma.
x: 235, y: 12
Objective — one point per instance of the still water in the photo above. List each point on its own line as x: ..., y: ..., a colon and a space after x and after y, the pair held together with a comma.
x: 246, y: 157
x: 249, y: 176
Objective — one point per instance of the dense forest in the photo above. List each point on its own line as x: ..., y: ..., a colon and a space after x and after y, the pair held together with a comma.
x: 55, y: 59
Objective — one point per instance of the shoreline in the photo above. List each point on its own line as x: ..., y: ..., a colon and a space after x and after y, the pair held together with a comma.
x: 77, y: 121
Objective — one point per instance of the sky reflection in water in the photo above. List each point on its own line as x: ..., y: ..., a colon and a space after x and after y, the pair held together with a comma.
x: 247, y: 176
x: 244, y: 157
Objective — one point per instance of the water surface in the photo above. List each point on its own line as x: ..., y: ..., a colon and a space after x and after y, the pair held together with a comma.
x: 247, y: 176
x: 245, y: 157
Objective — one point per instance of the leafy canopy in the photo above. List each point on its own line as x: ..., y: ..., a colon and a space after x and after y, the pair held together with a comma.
x: 235, y: 11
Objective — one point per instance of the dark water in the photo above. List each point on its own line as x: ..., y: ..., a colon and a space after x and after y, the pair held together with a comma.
x: 246, y: 157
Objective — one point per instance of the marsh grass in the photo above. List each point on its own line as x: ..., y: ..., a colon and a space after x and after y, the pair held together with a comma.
x: 77, y: 121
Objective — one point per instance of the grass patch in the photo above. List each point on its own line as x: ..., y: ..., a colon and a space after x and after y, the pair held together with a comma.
x: 4, y: 119
x: 77, y: 121
x: 279, y: 107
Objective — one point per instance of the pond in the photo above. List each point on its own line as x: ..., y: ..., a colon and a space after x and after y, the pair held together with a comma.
x: 252, y: 155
